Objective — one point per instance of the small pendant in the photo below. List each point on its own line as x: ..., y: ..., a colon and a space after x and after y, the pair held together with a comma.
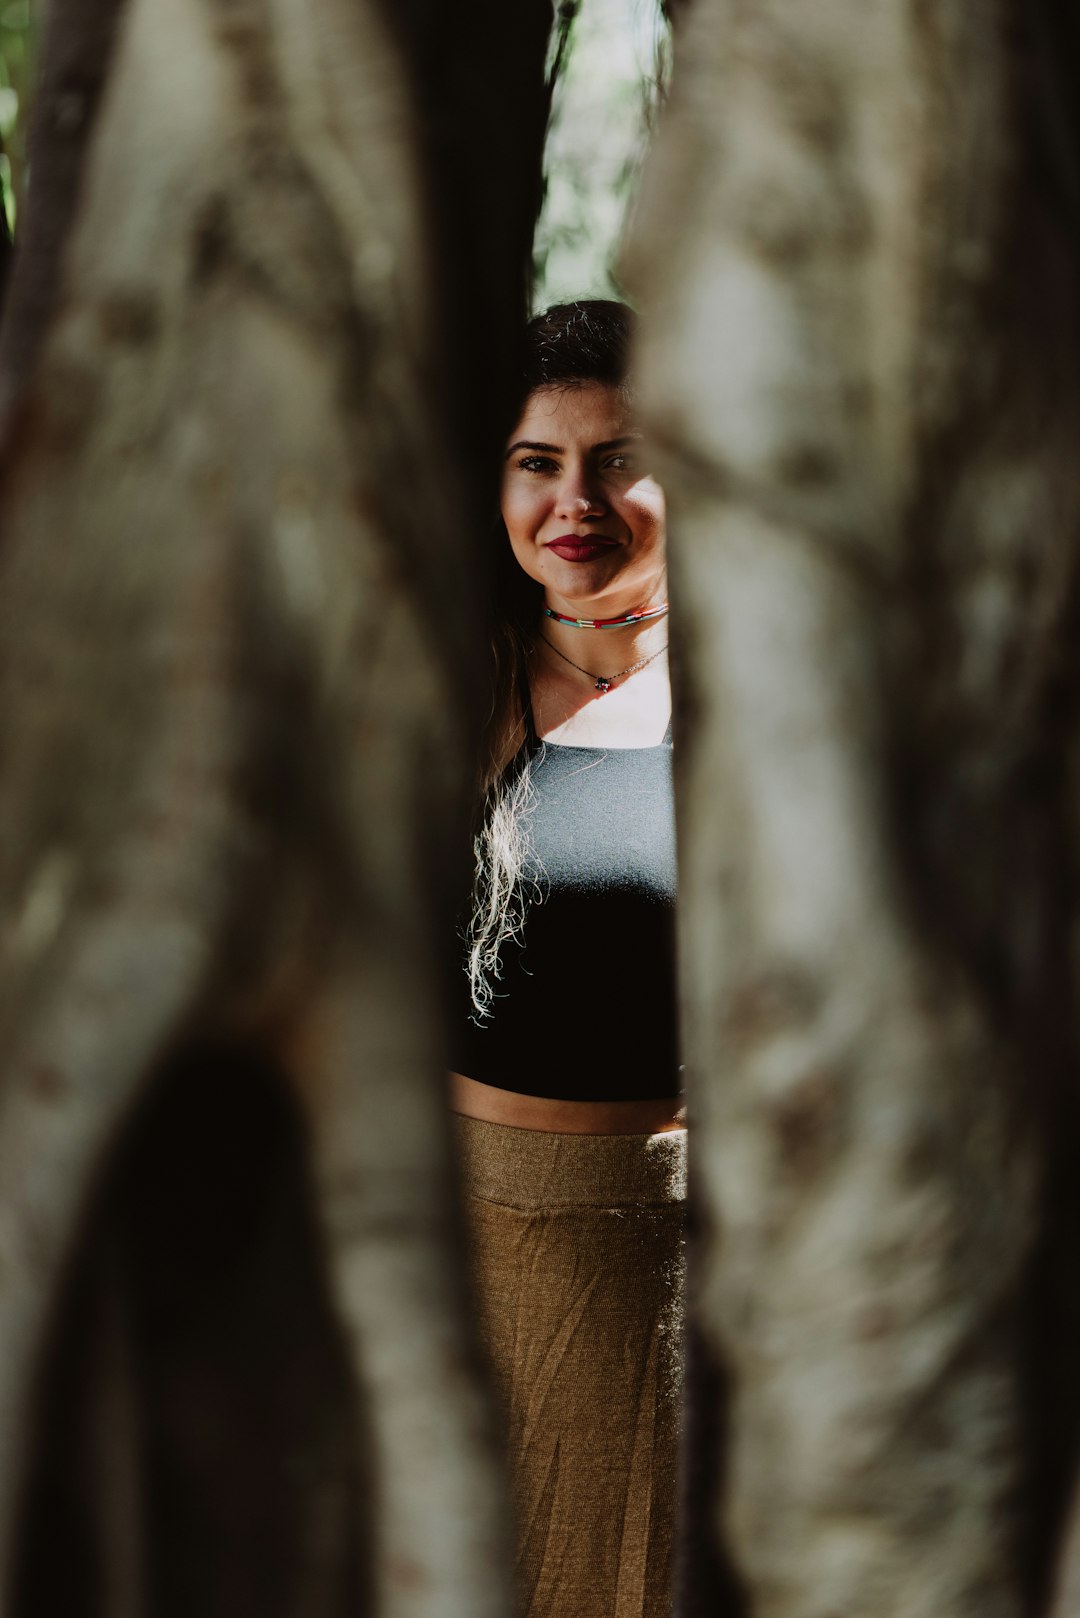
x: 603, y: 685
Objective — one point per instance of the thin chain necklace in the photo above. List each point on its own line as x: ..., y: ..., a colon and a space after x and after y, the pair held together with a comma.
x: 603, y: 682
x: 605, y: 623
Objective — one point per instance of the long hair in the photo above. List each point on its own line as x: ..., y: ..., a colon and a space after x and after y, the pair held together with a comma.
x: 568, y: 345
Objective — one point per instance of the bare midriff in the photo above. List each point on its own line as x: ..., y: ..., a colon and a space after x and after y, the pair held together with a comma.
x: 494, y: 1106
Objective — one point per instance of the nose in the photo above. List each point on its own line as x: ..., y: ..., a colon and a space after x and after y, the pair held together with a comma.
x: 580, y: 496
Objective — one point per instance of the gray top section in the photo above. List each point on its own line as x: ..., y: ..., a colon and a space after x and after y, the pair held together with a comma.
x: 585, y: 1010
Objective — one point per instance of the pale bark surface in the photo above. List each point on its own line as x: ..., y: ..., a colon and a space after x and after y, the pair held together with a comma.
x: 859, y: 367
x: 235, y: 711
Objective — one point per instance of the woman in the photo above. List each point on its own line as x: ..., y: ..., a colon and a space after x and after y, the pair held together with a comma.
x: 566, y: 1071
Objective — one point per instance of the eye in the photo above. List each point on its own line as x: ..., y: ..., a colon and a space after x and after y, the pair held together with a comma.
x: 537, y: 463
x: 624, y: 461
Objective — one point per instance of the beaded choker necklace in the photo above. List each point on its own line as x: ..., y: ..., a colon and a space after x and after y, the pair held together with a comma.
x: 607, y: 623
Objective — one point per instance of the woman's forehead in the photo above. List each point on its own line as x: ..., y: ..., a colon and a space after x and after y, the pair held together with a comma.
x: 580, y: 412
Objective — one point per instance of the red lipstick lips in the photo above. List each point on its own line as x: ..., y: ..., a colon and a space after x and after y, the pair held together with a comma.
x: 579, y: 547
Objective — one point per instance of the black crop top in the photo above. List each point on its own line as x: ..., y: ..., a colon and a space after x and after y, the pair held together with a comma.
x: 585, y: 1008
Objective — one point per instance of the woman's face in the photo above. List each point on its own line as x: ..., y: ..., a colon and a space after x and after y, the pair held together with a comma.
x: 585, y: 519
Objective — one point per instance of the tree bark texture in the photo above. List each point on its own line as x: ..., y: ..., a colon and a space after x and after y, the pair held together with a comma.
x: 239, y: 638
x: 859, y: 365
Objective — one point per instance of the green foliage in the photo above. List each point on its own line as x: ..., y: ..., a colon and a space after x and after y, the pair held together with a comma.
x: 16, y: 77
x: 613, y: 69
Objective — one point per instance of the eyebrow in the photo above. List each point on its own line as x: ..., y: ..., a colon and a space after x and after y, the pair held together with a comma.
x: 557, y: 449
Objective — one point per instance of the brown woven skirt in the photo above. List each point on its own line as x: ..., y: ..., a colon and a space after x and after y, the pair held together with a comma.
x: 576, y: 1245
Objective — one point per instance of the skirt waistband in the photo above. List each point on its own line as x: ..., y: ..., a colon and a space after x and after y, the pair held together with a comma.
x: 531, y: 1169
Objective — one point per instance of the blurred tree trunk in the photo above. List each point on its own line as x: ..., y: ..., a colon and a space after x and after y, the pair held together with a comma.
x: 857, y: 256
x: 240, y: 584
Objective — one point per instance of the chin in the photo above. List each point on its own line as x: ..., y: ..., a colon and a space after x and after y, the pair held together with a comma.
x: 609, y: 601
x: 585, y: 581
x: 583, y: 593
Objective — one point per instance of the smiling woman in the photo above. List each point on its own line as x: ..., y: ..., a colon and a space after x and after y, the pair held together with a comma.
x: 581, y: 666
x: 586, y: 523
x: 566, y: 1074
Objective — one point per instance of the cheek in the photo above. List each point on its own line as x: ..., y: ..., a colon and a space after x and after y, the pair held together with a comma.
x: 525, y: 554
x: 646, y: 516
x: 522, y: 520
x: 521, y: 511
